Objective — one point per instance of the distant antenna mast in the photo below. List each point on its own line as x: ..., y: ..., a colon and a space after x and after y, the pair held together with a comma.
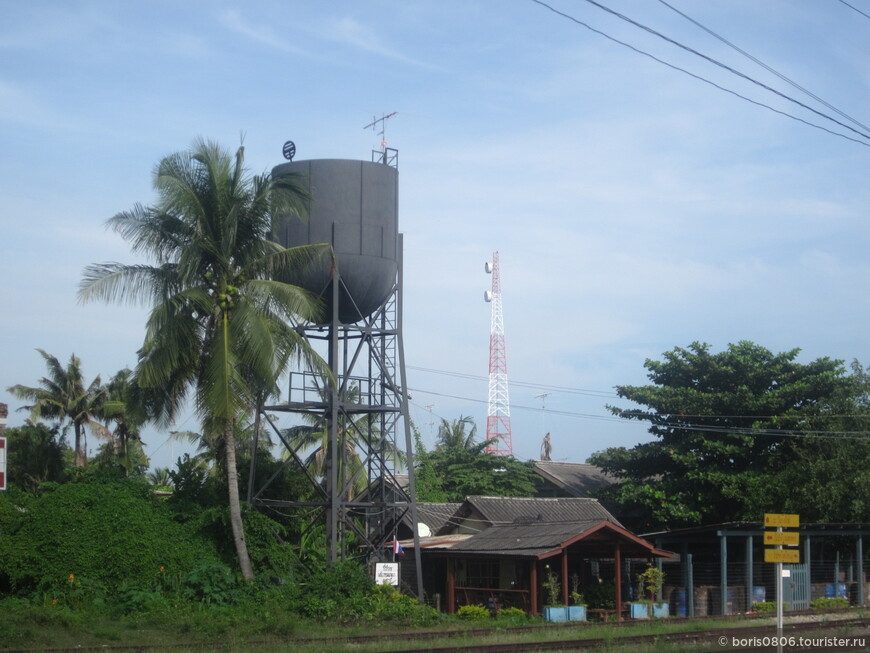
x: 498, y: 416
x: 386, y: 155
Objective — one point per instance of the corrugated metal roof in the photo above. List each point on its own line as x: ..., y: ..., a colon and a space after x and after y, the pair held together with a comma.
x: 596, y: 538
x: 435, y: 515
x: 504, y: 510
x: 524, y: 539
x: 578, y: 479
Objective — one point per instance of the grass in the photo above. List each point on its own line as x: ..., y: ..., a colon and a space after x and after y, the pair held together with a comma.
x: 263, y: 628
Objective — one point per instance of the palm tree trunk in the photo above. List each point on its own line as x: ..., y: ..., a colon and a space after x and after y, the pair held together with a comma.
x: 235, y: 505
x: 81, y: 457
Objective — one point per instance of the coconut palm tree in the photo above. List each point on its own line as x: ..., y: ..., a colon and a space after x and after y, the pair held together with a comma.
x: 220, y: 322
x: 459, y: 434
x: 63, y: 396
x: 358, y: 435
x: 125, y: 407
x: 160, y: 478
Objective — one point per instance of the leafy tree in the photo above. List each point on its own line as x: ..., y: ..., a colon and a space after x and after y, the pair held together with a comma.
x: 724, y: 423
x: 826, y: 477
x: 63, y: 395
x: 35, y: 454
x: 459, y: 467
x: 220, y: 323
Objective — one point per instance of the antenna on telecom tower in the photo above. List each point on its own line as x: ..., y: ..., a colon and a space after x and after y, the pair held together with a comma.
x: 498, y: 415
x: 386, y: 155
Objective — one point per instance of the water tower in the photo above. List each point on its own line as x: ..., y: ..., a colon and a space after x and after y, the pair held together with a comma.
x: 354, y: 208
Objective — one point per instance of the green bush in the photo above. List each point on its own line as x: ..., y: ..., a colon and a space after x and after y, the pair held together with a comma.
x: 765, y: 607
x: 513, y: 615
x: 830, y: 604
x: 601, y: 596
x: 212, y: 583
x: 473, y: 613
x: 387, y: 605
x: 105, y: 534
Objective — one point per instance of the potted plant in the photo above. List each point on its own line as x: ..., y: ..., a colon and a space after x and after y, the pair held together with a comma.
x: 554, y: 610
x: 576, y: 611
x: 649, y: 584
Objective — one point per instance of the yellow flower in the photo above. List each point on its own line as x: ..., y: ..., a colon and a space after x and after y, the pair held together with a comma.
x: 71, y: 578
x: 54, y: 601
x: 162, y: 569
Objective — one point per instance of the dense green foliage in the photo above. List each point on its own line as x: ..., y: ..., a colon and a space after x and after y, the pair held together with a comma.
x: 103, y: 546
x: 473, y: 613
x: 35, y: 454
x: 739, y: 433
x: 829, y: 603
x: 459, y: 467
x: 220, y: 323
x: 94, y: 530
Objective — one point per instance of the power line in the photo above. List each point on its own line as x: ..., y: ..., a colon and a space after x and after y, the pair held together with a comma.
x: 637, y: 414
x: 721, y: 65
x: 523, y: 384
x: 764, y: 65
x: 707, y: 81
x: 727, y: 430
x: 854, y: 8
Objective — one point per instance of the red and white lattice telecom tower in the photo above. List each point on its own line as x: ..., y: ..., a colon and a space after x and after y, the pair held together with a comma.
x: 498, y: 416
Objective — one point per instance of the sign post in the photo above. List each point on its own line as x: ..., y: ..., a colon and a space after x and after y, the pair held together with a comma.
x: 780, y: 538
x: 387, y: 573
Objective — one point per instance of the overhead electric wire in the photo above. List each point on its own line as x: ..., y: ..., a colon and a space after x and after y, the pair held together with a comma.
x: 723, y: 66
x: 732, y: 430
x: 523, y: 384
x: 764, y: 65
x: 855, y: 9
x: 707, y: 81
x: 586, y: 392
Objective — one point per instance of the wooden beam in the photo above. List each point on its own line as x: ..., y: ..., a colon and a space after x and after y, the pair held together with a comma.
x: 617, y: 563
x: 564, y: 576
x: 533, y: 587
x: 451, y: 586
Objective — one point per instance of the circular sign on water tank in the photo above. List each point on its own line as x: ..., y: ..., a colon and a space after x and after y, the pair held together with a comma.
x: 289, y: 150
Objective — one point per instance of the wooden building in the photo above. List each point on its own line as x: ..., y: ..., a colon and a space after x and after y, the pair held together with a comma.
x: 502, y: 549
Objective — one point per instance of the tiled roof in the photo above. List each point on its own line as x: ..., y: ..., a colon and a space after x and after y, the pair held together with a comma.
x: 435, y: 515
x: 523, y: 539
x: 595, y: 538
x: 577, y: 479
x: 502, y: 510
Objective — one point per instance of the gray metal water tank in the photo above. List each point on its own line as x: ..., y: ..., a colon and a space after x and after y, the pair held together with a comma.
x: 355, y: 208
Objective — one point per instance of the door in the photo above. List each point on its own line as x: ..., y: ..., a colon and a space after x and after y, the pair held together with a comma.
x: 796, y: 589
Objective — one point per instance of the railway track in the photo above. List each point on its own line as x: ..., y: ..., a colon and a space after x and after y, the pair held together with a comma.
x: 800, y: 636
x: 804, y: 633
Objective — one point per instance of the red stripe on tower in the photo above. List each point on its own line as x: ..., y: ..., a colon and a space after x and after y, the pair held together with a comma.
x: 498, y: 416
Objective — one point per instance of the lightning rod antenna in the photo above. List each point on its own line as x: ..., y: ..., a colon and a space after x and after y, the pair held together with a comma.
x: 385, y: 155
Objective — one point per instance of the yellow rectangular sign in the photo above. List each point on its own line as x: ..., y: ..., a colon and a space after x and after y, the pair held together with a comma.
x: 788, y: 538
x: 772, y: 520
x: 782, y: 555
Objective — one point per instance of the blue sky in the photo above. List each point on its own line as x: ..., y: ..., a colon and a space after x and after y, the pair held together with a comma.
x: 635, y: 208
